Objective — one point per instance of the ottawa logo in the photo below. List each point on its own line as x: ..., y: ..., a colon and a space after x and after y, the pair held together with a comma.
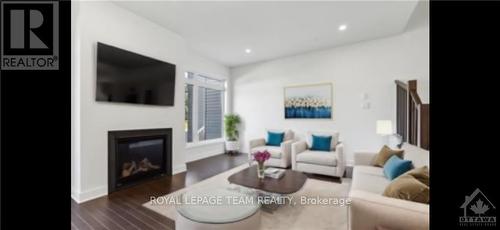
x: 478, y: 211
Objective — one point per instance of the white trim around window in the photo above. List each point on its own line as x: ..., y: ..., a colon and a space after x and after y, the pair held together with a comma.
x: 195, y: 106
x: 203, y: 143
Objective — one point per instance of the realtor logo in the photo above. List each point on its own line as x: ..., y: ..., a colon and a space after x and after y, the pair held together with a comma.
x: 478, y: 211
x: 30, y: 35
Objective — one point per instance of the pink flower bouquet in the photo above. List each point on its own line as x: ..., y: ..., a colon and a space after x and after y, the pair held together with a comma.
x: 261, y: 157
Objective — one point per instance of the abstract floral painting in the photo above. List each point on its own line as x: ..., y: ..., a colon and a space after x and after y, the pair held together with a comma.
x: 309, y: 101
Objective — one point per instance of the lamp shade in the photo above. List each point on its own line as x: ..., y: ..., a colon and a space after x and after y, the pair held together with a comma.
x: 384, y: 127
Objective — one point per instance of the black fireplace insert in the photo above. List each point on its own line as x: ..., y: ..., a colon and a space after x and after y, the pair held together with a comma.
x: 135, y: 156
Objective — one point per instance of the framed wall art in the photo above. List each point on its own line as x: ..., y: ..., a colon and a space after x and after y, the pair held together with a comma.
x: 309, y: 101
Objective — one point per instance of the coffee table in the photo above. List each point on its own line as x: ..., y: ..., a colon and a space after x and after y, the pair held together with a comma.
x: 290, y: 183
x: 221, y: 216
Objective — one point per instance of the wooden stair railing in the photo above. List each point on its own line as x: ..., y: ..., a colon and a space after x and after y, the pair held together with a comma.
x: 412, y: 116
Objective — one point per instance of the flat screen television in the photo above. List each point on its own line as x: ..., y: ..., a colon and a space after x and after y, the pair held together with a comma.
x: 124, y: 76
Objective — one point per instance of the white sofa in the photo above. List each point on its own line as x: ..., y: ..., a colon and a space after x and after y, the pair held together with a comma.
x: 280, y: 155
x: 319, y: 162
x: 370, y: 209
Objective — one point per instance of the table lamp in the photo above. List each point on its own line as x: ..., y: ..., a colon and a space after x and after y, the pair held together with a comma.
x: 384, y: 128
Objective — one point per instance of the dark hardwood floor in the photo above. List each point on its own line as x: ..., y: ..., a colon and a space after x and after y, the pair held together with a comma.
x: 123, y: 209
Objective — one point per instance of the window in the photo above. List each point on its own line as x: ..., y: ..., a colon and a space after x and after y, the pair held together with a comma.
x: 188, y: 123
x: 204, y: 108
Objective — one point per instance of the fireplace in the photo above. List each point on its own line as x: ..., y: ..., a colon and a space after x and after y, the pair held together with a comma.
x: 135, y: 156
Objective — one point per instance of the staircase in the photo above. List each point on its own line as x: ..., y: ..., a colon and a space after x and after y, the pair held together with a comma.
x: 412, y: 116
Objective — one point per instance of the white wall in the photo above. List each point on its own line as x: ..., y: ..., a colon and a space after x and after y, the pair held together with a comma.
x: 110, y: 24
x: 364, y: 68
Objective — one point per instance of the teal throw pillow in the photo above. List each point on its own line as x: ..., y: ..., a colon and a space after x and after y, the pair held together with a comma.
x: 321, y: 143
x: 274, y: 139
x: 396, y: 166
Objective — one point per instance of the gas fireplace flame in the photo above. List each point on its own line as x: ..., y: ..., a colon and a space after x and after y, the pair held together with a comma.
x: 131, y: 167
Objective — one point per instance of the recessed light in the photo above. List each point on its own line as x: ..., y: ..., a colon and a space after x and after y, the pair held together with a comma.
x: 342, y: 27
x: 248, y: 51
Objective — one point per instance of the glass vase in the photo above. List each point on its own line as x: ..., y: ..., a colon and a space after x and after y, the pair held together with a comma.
x: 260, y: 170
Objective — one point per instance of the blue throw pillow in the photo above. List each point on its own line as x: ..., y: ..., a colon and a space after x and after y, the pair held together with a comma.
x: 274, y: 139
x: 396, y: 166
x: 320, y: 143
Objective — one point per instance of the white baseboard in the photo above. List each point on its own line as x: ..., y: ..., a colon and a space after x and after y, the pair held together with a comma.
x: 204, y: 151
x: 73, y: 194
x: 90, y: 194
x: 179, y: 169
x: 195, y: 157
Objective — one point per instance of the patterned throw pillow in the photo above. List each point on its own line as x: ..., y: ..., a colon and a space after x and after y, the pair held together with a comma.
x: 407, y: 187
x: 421, y: 174
x: 386, y: 153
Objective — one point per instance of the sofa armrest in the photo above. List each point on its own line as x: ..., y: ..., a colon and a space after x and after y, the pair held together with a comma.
x: 339, y: 150
x: 369, y: 211
x: 365, y: 158
x: 297, y: 148
x: 256, y: 143
x: 286, y: 149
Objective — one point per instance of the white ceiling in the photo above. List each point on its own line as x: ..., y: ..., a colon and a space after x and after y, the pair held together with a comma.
x: 222, y: 31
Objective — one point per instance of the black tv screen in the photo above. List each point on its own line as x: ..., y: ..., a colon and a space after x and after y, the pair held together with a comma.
x: 124, y: 76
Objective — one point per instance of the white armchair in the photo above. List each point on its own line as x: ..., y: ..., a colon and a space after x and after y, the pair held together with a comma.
x: 319, y: 162
x: 280, y: 155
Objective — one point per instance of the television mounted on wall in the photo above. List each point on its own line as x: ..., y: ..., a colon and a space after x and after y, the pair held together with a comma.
x: 128, y: 77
